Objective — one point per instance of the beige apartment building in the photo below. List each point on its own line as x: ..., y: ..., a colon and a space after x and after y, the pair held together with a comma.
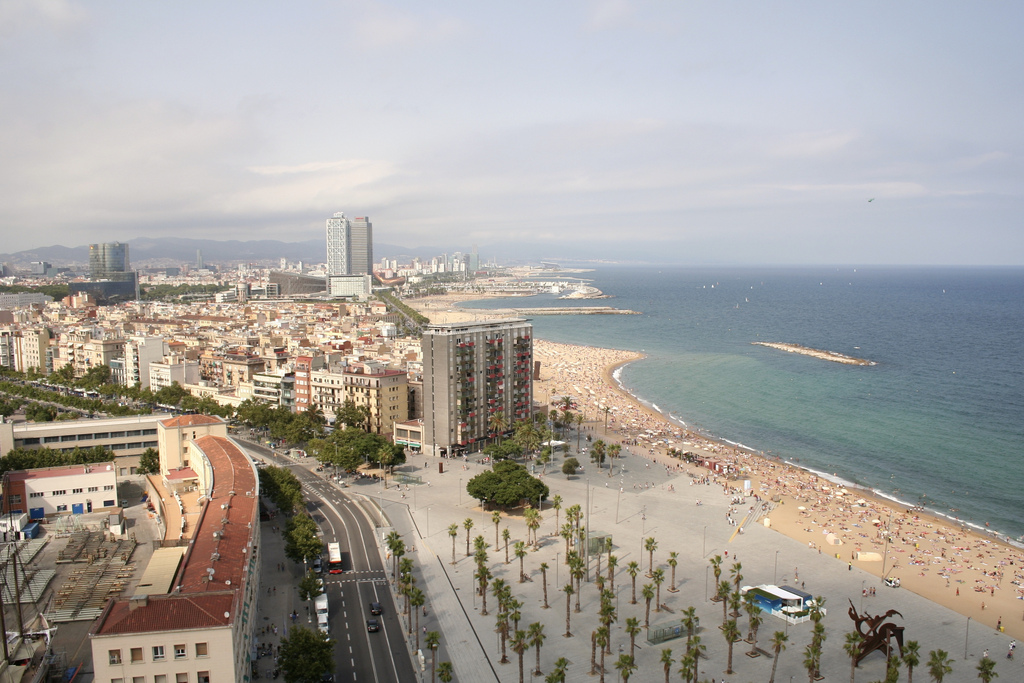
x: 196, y: 625
x: 82, y: 351
x: 383, y: 391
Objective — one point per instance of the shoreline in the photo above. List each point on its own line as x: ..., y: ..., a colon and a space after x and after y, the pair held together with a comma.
x: 944, y: 560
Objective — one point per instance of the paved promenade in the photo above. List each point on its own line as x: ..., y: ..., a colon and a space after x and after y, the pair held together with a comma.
x: 634, y: 505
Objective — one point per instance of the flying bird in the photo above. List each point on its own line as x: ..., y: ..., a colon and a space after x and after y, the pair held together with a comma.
x: 871, y: 200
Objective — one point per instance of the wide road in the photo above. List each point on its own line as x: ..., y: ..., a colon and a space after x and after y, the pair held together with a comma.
x: 358, y: 655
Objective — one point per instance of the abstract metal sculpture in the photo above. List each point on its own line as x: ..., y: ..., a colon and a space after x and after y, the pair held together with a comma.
x: 879, y: 635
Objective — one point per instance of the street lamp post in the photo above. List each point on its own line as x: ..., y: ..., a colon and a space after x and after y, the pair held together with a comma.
x: 704, y: 549
x: 967, y: 635
x: 706, y: 570
x: 862, y: 595
x: 775, y: 574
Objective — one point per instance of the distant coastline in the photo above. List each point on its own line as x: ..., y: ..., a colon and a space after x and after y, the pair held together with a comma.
x: 816, y: 353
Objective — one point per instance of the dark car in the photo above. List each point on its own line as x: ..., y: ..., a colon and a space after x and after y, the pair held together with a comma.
x: 372, y: 625
x: 376, y: 608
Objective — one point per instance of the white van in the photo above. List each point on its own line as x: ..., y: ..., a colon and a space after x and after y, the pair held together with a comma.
x: 320, y: 605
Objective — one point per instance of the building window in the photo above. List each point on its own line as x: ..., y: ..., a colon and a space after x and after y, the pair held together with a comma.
x: 14, y: 498
x: 136, y: 655
x: 116, y: 680
x: 201, y: 650
x: 181, y: 678
x: 62, y: 508
x: 180, y: 652
x: 138, y: 679
x: 160, y: 678
x: 35, y: 494
x: 115, y: 657
x: 94, y: 489
x: 108, y: 487
x: 76, y: 490
x: 204, y: 677
x: 158, y: 653
x: 62, y: 492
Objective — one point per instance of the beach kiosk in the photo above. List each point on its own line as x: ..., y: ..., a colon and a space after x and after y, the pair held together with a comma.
x: 785, y: 602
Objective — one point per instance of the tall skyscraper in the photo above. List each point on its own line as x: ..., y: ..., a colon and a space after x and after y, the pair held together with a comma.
x: 108, y: 261
x: 337, y: 244
x: 361, y: 247
x: 349, y: 245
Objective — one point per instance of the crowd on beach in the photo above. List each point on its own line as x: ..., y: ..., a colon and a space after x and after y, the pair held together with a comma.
x: 968, y: 571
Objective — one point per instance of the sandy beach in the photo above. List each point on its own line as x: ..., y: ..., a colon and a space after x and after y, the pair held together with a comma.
x: 971, y: 573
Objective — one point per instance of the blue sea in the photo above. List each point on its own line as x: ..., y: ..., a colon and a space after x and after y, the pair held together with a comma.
x: 938, y: 421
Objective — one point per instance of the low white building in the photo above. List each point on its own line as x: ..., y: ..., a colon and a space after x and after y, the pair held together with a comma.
x: 74, y: 489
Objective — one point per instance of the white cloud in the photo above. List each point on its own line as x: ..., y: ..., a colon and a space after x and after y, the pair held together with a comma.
x: 608, y: 14
x: 19, y: 16
x: 386, y: 27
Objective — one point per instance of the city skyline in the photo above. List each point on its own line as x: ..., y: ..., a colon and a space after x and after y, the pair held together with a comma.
x: 602, y: 130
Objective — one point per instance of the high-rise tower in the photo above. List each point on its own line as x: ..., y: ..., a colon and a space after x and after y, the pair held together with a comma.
x: 349, y: 245
x: 337, y: 244
x: 108, y: 261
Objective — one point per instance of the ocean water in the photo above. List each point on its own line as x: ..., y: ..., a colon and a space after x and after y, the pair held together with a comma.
x: 938, y: 421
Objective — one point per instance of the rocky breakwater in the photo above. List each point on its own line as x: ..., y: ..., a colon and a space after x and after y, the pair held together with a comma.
x: 833, y: 356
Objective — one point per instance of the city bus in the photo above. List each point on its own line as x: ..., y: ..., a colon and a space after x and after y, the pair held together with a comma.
x: 334, y: 558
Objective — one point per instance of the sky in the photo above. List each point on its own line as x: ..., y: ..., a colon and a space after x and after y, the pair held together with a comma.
x: 672, y: 132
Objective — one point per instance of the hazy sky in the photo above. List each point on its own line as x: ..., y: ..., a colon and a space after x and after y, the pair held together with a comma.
x: 691, y: 132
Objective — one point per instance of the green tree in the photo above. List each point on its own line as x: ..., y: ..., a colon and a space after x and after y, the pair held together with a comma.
x: 467, y: 524
x: 519, y: 645
x: 432, y: 640
x: 301, y: 542
x: 568, y: 590
x: 597, y: 453
x: 911, y: 658
x: 852, y: 649
x: 731, y: 633
x: 557, y: 675
x: 306, y: 655
x: 987, y: 670
x: 497, y: 424
x: 650, y: 545
x: 939, y: 664
x: 569, y: 466
x: 445, y: 672
x: 648, y: 594
x: 453, y: 531
x: 633, y: 630
x: 537, y: 637
x: 779, y: 640
x: 633, y: 568
x: 544, y: 578
x: 626, y: 665
x: 666, y: 662
x: 149, y: 462
x: 310, y: 586
x: 508, y: 484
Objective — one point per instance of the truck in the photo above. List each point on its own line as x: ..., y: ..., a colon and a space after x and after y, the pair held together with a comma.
x: 334, y: 558
x: 320, y: 604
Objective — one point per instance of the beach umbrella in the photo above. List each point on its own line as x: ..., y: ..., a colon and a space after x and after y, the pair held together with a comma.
x: 801, y: 508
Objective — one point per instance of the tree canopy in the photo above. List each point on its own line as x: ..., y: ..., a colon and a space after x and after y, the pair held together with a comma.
x: 25, y: 459
x: 350, y: 447
x: 282, y: 487
x: 509, y: 484
x: 306, y: 655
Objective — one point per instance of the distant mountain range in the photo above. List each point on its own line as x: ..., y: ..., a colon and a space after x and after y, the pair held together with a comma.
x: 167, y: 251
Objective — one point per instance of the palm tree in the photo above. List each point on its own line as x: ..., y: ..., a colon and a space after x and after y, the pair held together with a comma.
x: 691, y: 621
x: 578, y: 570
x: 556, y: 503
x: 811, y: 654
x: 536, y: 634
x: 613, y: 452
x: 686, y: 666
x: 497, y: 424
x: 716, y: 568
x: 432, y: 640
x: 698, y: 650
x: 453, y: 531
x: 513, y: 612
x: 632, y: 629
x: 417, y: 599
x: 659, y: 578
x: 602, y: 641
x: 558, y: 675
x: 648, y: 594
x: 519, y: 645
x: 650, y: 545
x: 579, y: 425
x: 673, y: 560
x: 468, y: 526
x: 445, y: 672
x: 666, y: 662
x: 939, y: 664
x: 506, y: 536
x: 593, y: 652
x: 633, y: 568
x: 613, y: 562
x: 987, y: 670
x: 626, y: 665
x: 779, y: 640
x: 521, y: 554
x: 568, y: 590
x: 606, y: 409
x: 544, y: 577
x: 736, y: 575
x: 501, y: 622
x: 852, y: 649
x: 731, y: 633
x: 911, y: 658
x: 724, y: 588
x: 496, y: 518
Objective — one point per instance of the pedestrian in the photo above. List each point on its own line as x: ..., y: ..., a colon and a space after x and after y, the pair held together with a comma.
x: 958, y: 591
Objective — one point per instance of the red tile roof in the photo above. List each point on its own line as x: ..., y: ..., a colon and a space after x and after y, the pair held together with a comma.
x: 190, y: 421
x: 166, y: 613
x: 234, y: 486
